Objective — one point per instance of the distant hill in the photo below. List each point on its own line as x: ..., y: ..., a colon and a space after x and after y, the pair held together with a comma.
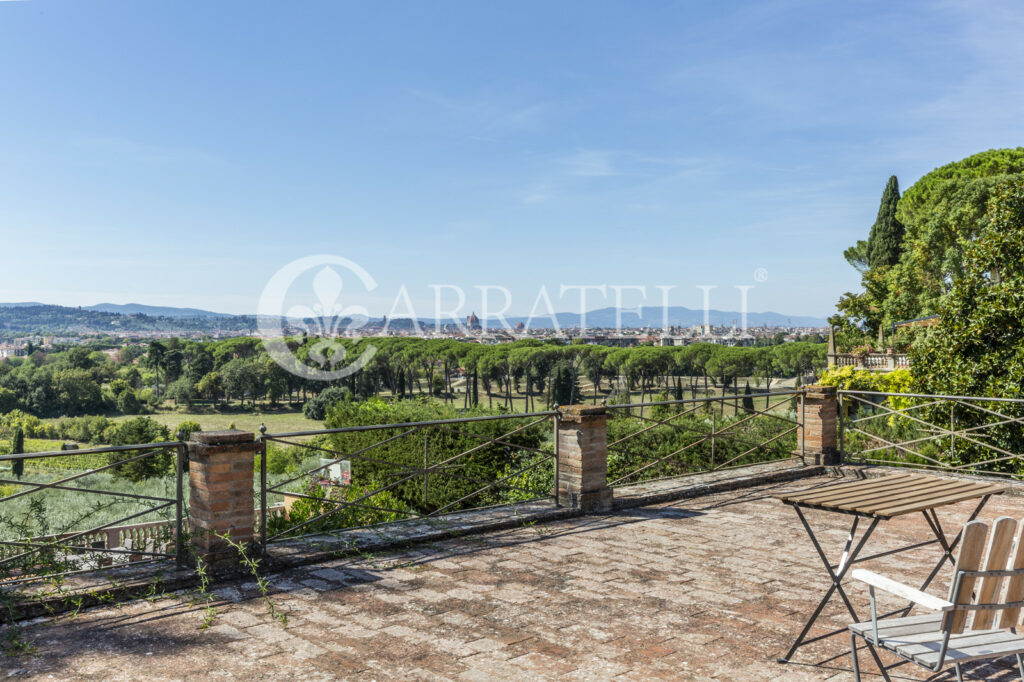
x: 55, y: 319
x: 152, y: 310
x: 37, y: 318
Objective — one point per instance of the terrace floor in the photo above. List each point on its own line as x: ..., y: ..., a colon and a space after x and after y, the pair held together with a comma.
x: 708, y: 588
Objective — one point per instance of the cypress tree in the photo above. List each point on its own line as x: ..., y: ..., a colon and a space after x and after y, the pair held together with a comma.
x: 885, y: 244
x: 476, y: 390
x: 679, y: 389
x: 17, y: 448
x: 748, y: 400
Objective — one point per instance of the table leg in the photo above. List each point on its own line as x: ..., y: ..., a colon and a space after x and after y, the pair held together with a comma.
x: 947, y: 547
x: 847, y: 560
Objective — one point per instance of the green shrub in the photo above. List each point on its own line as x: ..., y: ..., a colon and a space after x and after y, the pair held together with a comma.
x: 316, y: 408
x: 668, y: 451
x: 137, y: 431
x: 457, y: 485
x: 186, y: 429
x: 390, y: 508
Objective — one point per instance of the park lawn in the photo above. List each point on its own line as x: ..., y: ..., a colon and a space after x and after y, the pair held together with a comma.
x: 277, y: 422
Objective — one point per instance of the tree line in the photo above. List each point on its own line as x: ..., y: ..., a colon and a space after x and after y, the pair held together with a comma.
x: 238, y: 372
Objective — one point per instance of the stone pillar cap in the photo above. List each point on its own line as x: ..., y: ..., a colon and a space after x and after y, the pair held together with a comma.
x: 222, y: 437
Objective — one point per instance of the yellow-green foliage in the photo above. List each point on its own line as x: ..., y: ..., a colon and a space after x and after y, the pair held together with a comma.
x: 850, y: 379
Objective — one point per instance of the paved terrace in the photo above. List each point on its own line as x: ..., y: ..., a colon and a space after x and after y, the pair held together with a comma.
x: 708, y: 588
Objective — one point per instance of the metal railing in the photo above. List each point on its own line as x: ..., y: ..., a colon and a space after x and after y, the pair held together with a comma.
x: 966, y: 434
x: 687, y: 437
x: 413, y: 470
x: 25, y: 555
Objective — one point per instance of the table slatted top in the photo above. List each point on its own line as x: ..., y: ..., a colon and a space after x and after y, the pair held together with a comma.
x: 888, y: 496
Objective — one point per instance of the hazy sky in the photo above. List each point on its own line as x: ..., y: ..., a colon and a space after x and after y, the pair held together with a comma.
x: 180, y: 153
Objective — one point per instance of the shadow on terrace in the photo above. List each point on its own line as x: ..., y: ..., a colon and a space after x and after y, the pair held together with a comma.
x: 713, y: 587
x: 705, y: 576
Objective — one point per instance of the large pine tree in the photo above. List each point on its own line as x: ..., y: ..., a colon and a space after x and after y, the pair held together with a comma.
x: 885, y: 244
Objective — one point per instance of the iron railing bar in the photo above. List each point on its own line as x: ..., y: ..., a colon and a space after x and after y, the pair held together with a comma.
x: 338, y: 455
x: 337, y: 508
x: 485, y: 488
x: 45, y: 576
x: 714, y: 468
x: 356, y: 453
x: 276, y: 487
x: 888, y: 410
x: 701, y: 440
x: 55, y: 486
x: 626, y: 406
x: 854, y: 394
x: 751, y: 416
x: 941, y: 431
x: 60, y: 536
x: 344, y: 503
x: 938, y: 433
x: 966, y: 469
x: 898, y: 446
x: 90, y: 451
x: 75, y: 477
x: 76, y: 535
x: 435, y: 422
x: 496, y: 439
x: 700, y: 472
x: 681, y: 450
x: 426, y: 519
x: 1007, y: 418
x: 714, y: 433
x: 759, y: 445
x: 656, y: 424
x: 472, y: 479
x: 83, y: 548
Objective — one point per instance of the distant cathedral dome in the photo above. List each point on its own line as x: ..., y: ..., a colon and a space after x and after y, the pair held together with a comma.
x: 473, y: 322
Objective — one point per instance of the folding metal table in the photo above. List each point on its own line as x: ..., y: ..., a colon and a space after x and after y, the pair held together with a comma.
x: 879, y: 499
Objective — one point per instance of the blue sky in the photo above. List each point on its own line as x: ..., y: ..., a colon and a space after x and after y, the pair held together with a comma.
x: 180, y: 153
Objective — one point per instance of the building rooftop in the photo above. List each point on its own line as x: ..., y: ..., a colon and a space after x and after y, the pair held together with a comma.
x: 709, y: 588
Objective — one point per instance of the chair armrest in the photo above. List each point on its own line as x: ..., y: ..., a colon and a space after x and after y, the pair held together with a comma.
x: 900, y: 590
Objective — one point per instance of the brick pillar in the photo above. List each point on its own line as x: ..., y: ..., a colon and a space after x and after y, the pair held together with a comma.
x: 583, y: 458
x: 221, y: 496
x: 820, y: 435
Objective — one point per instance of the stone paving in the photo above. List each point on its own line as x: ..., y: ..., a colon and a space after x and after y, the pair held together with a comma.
x: 709, y: 588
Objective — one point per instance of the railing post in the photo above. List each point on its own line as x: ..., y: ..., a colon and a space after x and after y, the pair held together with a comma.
x: 180, y: 454
x: 803, y: 425
x: 263, y: 488
x: 221, y: 497
x: 555, y: 494
x: 583, y: 458
x: 818, y: 437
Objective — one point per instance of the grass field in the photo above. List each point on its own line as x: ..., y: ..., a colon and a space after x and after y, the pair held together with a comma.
x: 277, y: 422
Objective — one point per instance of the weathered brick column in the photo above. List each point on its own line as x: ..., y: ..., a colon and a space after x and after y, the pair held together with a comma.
x: 820, y: 435
x: 583, y: 458
x: 221, y: 497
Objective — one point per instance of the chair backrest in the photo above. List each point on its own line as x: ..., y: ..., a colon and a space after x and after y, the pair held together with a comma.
x: 981, y: 550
